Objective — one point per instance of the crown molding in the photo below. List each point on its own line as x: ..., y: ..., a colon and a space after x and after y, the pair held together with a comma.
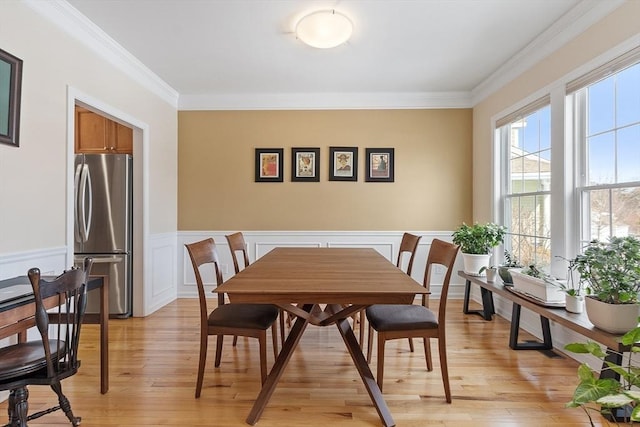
x: 325, y: 101
x: 70, y: 20
x: 573, y: 23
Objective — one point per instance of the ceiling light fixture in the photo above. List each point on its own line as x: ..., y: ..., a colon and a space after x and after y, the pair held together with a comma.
x: 324, y: 29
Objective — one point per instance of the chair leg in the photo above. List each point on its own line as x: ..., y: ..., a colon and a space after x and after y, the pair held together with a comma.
x: 204, y: 340
x: 219, y: 341
x: 369, y: 344
x: 262, y: 340
x: 64, y: 404
x: 427, y: 354
x: 18, y: 407
x: 442, y: 349
x: 410, y: 344
x: 274, y: 339
x: 235, y: 340
x: 381, y: 343
x: 282, y: 315
x: 361, y: 317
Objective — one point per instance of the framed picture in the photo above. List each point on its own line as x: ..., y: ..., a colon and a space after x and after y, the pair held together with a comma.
x: 343, y: 163
x: 269, y: 164
x: 379, y: 165
x: 305, y: 164
x: 10, y: 88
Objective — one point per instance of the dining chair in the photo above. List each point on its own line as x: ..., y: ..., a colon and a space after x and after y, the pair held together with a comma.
x: 408, y: 248
x: 245, y: 320
x: 54, y: 355
x: 238, y: 246
x: 394, y: 321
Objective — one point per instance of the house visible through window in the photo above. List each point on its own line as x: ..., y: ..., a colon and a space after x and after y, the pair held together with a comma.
x: 526, y: 182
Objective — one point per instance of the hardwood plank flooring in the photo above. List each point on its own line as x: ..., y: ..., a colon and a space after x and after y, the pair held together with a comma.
x: 154, y: 364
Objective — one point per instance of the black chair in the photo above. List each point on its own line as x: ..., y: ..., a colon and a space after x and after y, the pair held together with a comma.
x: 61, y: 304
x: 244, y: 320
x: 394, y: 321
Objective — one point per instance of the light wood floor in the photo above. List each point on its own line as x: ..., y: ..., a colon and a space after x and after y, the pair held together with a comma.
x: 154, y: 363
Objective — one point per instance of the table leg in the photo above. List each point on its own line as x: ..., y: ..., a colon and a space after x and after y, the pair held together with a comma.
x: 104, y: 335
x: 278, y: 367
x: 487, y: 310
x: 365, y: 373
x: 515, y: 328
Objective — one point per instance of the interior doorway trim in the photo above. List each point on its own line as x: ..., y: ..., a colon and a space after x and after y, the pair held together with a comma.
x: 141, y: 186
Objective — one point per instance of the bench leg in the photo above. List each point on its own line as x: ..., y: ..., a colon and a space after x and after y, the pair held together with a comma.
x: 546, y: 344
x: 487, y: 310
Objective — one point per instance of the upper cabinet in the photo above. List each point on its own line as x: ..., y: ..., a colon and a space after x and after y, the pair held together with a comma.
x: 98, y: 134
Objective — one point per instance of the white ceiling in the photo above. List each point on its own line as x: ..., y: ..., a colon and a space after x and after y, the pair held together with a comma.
x: 403, y: 53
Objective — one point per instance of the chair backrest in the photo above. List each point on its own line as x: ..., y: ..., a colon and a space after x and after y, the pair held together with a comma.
x: 237, y: 244
x: 204, y: 253
x: 61, y: 343
x: 441, y: 253
x: 408, y: 246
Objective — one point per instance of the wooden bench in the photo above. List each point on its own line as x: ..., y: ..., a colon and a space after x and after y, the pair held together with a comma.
x: 576, y: 322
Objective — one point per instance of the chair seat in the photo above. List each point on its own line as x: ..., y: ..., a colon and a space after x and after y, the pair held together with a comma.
x: 250, y: 316
x: 21, y: 359
x: 399, y: 317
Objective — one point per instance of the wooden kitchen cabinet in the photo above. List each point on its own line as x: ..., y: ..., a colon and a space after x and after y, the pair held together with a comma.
x: 98, y: 134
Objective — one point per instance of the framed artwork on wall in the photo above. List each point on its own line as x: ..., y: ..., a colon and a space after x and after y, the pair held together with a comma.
x: 10, y: 91
x: 379, y: 163
x: 269, y: 164
x: 343, y: 163
x: 305, y: 164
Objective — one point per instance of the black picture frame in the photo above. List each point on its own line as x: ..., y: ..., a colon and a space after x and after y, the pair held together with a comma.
x: 380, y: 165
x: 10, y: 93
x: 343, y: 163
x: 269, y: 164
x: 305, y: 164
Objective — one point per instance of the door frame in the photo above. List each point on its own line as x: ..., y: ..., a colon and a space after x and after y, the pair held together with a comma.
x: 140, y: 186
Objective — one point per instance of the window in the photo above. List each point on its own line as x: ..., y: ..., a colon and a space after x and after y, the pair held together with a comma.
x: 607, y: 125
x: 525, y: 147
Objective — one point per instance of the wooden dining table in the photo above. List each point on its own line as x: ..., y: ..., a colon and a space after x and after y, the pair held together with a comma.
x: 322, y: 287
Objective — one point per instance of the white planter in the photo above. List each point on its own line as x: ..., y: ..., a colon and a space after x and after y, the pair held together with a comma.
x: 574, y: 304
x: 491, y: 274
x: 473, y: 263
x: 612, y: 318
x: 537, y: 288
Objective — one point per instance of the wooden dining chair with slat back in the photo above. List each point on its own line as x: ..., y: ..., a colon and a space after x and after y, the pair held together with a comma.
x: 59, y: 310
x: 238, y: 247
x: 408, y: 248
x: 245, y: 320
x: 395, y: 321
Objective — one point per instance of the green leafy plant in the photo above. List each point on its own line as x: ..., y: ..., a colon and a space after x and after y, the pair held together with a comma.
x: 609, y: 393
x: 611, y: 270
x: 479, y: 239
x: 510, y: 261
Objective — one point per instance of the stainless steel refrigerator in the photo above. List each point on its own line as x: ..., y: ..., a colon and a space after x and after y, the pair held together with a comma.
x: 103, y: 225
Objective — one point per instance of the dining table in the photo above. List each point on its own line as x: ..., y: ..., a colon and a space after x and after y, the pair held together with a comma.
x: 322, y: 286
x: 17, y: 316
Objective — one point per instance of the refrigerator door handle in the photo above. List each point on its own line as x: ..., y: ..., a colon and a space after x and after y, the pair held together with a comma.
x: 85, y: 191
x: 76, y: 216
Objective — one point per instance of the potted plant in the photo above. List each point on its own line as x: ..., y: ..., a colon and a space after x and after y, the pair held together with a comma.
x: 476, y: 242
x: 537, y: 283
x: 574, y: 293
x: 610, y: 272
x: 510, y: 261
x: 609, y: 393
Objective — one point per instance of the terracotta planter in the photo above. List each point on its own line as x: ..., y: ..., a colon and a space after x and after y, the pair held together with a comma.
x: 612, y: 318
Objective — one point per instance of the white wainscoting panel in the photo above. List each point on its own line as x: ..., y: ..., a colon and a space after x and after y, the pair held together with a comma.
x: 261, y: 242
x: 161, y: 272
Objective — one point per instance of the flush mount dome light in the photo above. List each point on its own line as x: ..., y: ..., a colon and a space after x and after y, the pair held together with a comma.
x: 324, y: 29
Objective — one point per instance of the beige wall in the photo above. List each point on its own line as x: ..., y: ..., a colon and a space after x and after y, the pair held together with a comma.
x: 216, y: 188
x: 618, y: 27
x: 33, y: 193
